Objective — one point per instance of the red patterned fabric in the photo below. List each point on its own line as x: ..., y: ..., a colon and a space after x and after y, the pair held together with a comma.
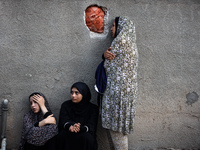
x: 94, y: 17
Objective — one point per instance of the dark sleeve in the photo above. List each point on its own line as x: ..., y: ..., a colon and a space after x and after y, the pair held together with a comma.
x: 84, y: 128
x: 45, y: 116
x: 38, y: 135
x: 93, y: 119
x: 68, y: 124
x: 103, y: 57
x: 65, y: 120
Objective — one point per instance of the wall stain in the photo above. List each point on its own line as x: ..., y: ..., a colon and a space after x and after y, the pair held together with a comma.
x: 192, y: 98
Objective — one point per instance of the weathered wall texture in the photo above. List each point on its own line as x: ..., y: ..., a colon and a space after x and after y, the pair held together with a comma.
x: 45, y: 46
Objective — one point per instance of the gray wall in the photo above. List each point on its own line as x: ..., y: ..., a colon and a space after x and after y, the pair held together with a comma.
x: 45, y: 46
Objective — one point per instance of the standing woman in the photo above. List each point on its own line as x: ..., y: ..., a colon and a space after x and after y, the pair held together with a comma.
x: 78, y: 120
x: 39, y: 128
x: 119, y: 99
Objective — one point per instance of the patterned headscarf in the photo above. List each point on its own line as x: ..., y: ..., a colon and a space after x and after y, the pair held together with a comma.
x: 118, y: 105
x: 36, y: 135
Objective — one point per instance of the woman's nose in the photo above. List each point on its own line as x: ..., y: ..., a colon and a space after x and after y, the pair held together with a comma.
x: 33, y: 104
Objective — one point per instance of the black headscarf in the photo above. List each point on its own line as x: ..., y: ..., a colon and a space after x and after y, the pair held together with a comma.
x: 84, y: 90
x: 81, y: 107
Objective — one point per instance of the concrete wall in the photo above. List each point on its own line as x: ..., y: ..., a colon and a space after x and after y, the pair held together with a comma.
x: 45, y: 46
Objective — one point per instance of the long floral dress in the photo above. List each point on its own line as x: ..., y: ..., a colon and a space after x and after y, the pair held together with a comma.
x: 119, y: 99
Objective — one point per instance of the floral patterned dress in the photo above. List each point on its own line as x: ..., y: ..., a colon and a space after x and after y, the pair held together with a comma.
x: 119, y: 99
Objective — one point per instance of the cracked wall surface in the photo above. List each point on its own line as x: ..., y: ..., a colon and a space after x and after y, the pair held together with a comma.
x: 45, y: 46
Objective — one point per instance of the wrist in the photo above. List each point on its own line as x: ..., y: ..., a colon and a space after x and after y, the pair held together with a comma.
x: 44, y: 109
x: 42, y: 123
x: 47, y: 114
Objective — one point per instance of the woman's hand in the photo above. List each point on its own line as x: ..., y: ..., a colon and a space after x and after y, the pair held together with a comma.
x: 49, y: 120
x: 75, y: 128
x: 108, y: 55
x: 41, y: 102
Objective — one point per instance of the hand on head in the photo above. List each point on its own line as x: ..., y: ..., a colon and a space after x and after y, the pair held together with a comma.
x: 41, y: 102
x: 108, y: 55
x: 39, y: 99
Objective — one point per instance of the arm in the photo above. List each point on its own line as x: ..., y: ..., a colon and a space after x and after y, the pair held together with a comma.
x: 48, y: 116
x: 49, y: 120
x: 38, y: 135
x: 65, y: 120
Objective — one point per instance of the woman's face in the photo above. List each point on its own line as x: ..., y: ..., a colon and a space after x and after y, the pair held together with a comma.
x: 76, y: 96
x: 34, y: 106
x: 113, y: 29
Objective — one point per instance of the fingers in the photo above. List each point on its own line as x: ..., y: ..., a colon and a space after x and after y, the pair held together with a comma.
x: 108, y: 55
x: 77, y: 124
x: 50, y: 115
x: 40, y: 101
x: 76, y: 127
x: 109, y: 49
x: 36, y: 97
x: 71, y: 128
x: 50, y: 119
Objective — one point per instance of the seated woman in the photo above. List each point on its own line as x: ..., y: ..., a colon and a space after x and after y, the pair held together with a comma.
x: 39, y: 128
x: 78, y: 120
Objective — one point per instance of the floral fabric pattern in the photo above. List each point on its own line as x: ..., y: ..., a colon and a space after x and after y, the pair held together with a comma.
x: 37, y: 136
x: 119, y: 99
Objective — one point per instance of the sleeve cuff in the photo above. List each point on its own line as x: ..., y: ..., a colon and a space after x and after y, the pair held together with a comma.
x: 67, y: 125
x: 84, y: 129
x: 47, y: 114
x: 87, y: 129
x: 36, y: 124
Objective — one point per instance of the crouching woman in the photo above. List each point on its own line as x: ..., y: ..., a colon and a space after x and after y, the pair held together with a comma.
x: 78, y: 120
x: 39, y: 125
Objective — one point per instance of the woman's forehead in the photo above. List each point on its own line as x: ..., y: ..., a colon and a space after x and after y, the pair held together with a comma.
x: 74, y: 89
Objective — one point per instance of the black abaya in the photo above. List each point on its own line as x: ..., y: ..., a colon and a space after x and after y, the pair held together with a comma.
x: 87, y: 116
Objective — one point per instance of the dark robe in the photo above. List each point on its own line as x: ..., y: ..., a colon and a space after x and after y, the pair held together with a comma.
x: 87, y: 116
